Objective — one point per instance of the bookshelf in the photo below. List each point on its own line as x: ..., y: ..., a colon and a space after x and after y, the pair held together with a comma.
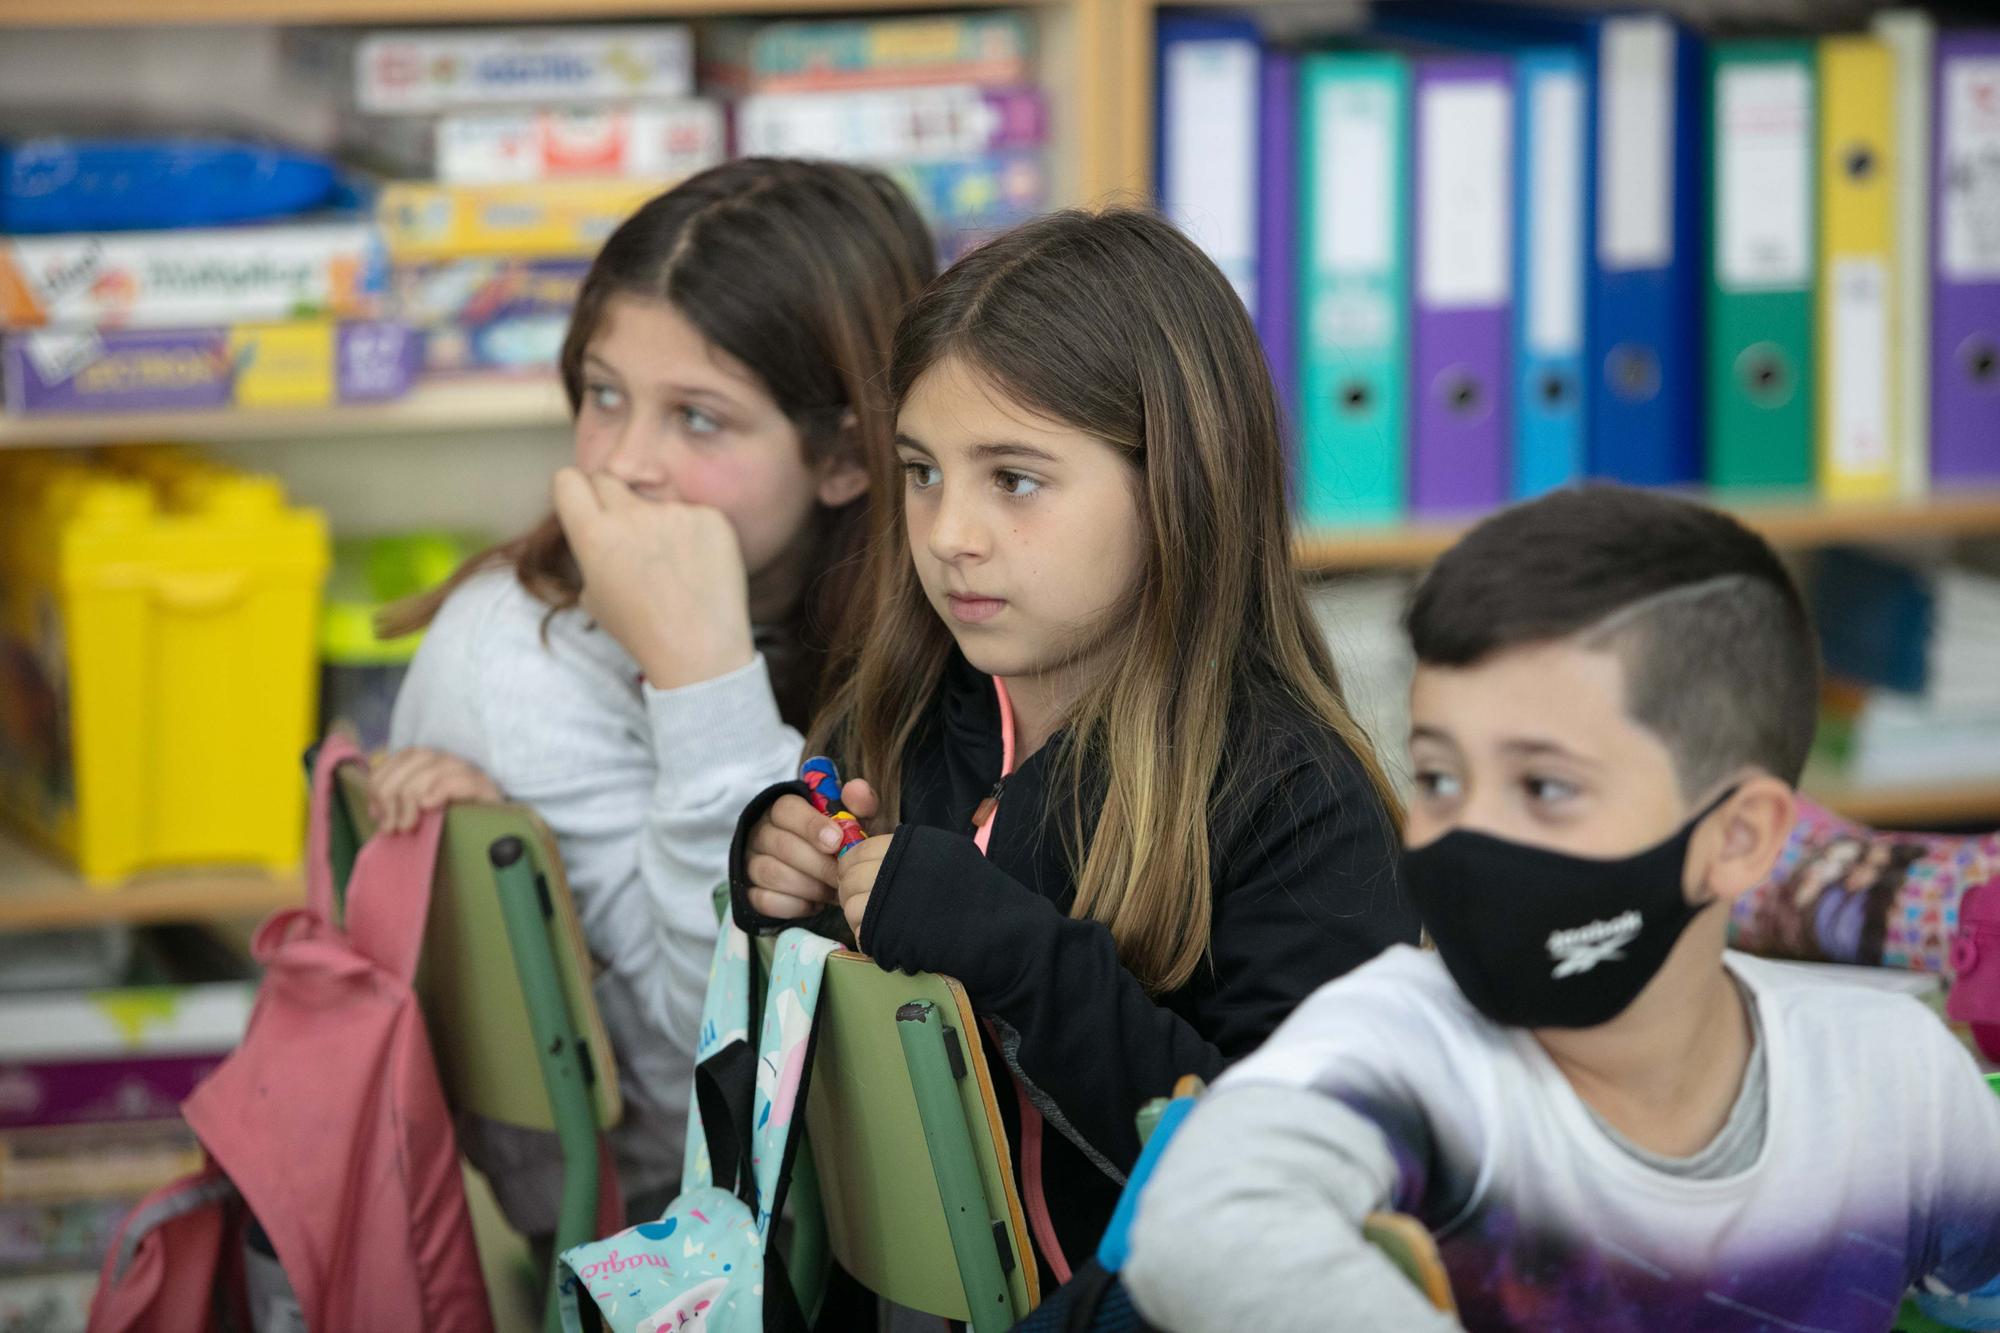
x: 1790, y: 522
x: 1097, y: 65
x: 52, y: 13
x: 434, y: 407
x: 1072, y: 41
x: 1900, y: 807
x: 36, y: 893
x: 1075, y: 46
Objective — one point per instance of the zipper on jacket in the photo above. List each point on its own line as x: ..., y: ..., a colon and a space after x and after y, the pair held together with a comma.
x: 989, y: 807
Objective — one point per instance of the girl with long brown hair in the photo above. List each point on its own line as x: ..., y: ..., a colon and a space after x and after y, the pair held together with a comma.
x: 638, y: 666
x: 1098, y: 737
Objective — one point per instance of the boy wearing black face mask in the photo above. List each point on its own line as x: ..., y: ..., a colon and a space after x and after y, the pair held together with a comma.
x: 1607, y: 1123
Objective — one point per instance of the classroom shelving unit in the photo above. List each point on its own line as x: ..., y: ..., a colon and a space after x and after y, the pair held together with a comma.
x: 1793, y: 523
x: 435, y: 407
x: 36, y: 893
x: 1072, y: 36
x: 1096, y: 59
x: 1789, y: 522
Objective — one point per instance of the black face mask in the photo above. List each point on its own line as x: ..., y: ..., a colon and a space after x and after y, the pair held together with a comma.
x: 1541, y: 939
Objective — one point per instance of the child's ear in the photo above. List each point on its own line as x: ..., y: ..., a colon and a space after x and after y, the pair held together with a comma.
x: 842, y: 478
x: 841, y: 481
x: 1747, y: 835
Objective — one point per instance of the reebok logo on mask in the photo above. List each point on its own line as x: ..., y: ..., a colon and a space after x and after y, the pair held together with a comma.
x: 1577, y: 951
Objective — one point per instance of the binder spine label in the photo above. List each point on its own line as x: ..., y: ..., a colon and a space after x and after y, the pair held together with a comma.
x: 1969, y: 249
x: 1636, y: 144
x: 1859, y: 310
x: 1463, y: 236
x: 1764, y: 184
x: 1554, y: 295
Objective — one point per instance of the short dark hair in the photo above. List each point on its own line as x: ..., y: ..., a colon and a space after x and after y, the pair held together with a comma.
x: 1719, y: 654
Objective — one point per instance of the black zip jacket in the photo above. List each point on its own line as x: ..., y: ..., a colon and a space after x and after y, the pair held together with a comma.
x: 1303, y: 864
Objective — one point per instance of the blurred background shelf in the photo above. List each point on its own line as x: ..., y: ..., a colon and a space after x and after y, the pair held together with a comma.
x: 1905, y: 807
x: 36, y: 893
x: 63, y: 13
x: 434, y: 407
x: 1075, y: 51
x: 1791, y: 523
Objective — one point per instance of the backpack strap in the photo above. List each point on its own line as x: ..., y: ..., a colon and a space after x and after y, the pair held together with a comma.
x: 724, y: 1088
x: 725, y: 1080
x: 175, y: 1261
x: 753, y: 1140
x: 389, y: 896
x: 610, y: 1198
x: 335, y: 750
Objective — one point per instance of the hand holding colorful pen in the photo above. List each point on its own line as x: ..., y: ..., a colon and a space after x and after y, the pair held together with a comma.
x: 823, y: 787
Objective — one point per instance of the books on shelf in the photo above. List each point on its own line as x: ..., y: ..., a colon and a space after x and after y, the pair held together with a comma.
x: 990, y: 190
x: 819, y: 55
x: 1916, y: 644
x: 425, y: 222
x: 548, y: 141
x: 1762, y: 211
x: 44, y: 1301
x: 917, y: 124
x: 397, y: 72
x: 95, y: 1161
x: 113, y: 1055
x: 946, y: 104
x: 290, y: 364
x: 497, y: 161
x: 194, y: 277
x: 91, y: 1081
x: 1710, y: 260
x: 43, y: 1236
x: 1362, y: 619
x: 489, y: 314
x: 1965, y: 294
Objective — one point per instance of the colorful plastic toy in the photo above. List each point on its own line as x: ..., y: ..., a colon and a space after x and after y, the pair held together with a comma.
x: 823, y: 785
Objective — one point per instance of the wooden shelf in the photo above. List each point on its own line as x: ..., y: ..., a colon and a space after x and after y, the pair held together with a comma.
x: 154, y: 13
x: 435, y: 407
x: 38, y: 894
x: 1904, y: 807
x: 1076, y: 51
x: 1792, y: 522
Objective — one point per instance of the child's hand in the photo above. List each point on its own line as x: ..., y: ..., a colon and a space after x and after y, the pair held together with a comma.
x: 665, y: 579
x: 790, y: 855
x: 857, y: 880
x: 405, y: 785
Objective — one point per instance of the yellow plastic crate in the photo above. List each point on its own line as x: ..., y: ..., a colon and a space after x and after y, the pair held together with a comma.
x: 160, y: 615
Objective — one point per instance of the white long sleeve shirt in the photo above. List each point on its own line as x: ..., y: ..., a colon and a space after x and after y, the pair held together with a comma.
x: 642, y: 788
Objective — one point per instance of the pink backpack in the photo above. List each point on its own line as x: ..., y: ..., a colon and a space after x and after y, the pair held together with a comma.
x: 1974, y: 998
x: 328, y: 1120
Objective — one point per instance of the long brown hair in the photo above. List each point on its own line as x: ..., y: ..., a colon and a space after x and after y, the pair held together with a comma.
x: 798, y: 270
x: 1115, y: 324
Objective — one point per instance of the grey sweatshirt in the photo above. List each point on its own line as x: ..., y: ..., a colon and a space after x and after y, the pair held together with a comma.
x: 641, y: 788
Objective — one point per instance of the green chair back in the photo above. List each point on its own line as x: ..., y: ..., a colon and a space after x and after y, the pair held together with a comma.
x: 914, y: 1178
x: 504, y: 983
x: 468, y: 981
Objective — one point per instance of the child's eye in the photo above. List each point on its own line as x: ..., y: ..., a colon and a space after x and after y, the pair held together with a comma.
x: 699, y: 422
x: 922, y: 476
x: 1438, y: 785
x: 1547, y: 791
x: 1014, y: 483
x: 603, y: 397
